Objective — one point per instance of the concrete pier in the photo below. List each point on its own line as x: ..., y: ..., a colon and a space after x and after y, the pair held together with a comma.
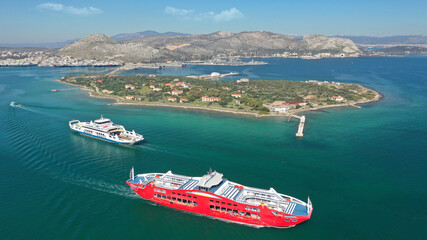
x: 301, y: 127
x: 355, y: 106
x: 67, y: 89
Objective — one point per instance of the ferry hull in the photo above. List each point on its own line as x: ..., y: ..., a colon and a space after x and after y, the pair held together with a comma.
x: 107, y: 140
x: 207, y: 205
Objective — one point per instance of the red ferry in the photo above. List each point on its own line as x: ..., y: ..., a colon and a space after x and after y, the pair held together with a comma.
x: 213, y: 196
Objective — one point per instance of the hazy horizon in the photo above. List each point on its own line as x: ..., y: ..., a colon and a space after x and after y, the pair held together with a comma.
x: 5, y: 44
x: 43, y: 21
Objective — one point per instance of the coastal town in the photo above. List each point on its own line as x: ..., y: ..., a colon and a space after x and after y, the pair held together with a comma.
x: 315, y: 55
x: 48, y: 59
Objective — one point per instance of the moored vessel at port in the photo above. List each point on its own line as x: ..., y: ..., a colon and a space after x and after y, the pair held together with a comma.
x: 216, y: 197
x: 104, y: 129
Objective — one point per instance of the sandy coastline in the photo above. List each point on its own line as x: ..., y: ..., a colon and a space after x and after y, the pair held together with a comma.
x: 119, y: 101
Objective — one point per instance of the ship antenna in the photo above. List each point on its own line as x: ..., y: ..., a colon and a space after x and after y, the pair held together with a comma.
x: 210, y: 170
x: 132, y: 174
x: 102, y: 117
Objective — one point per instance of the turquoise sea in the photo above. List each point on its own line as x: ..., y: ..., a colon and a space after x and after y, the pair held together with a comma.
x: 364, y: 169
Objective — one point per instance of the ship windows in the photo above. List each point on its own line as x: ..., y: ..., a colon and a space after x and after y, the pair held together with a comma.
x: 235, y: 212
x: 229, y: 204
x: 168, y: 197
x: 179, y: 194
x: 217, y: 201
x: 173, y: 192
x: 234, y: 205
x: 222, y: 202
x: 195, y: 197
x: 159, y: 196
x: 252, y: 209
x: 223, y: 209
x: 211, y: 207
x: 184, y: 195
x: 247, y: 214
x: 159, y: 190
x: 211, y: 200
x: 183, y: 201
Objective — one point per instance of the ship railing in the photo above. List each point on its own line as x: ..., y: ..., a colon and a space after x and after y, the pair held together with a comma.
x: 263, y: 195
x: 255, y: 199
x: 73, y: 122
x: 292, y: 199
x: 309, y: 206
x: 133, y: 133
x: 170, y: 181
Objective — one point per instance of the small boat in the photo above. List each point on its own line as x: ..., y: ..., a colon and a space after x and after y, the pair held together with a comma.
x: 14, y: 104
x: 104, y: 129
x: 212, y: 195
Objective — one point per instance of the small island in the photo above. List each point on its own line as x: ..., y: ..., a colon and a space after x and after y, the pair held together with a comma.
x: 256, y: 97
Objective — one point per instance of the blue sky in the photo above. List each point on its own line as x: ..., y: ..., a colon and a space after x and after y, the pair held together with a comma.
x: 36, y: 21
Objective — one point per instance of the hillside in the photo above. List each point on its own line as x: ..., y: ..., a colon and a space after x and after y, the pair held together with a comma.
x: 402, y: 50
x: 203, y: 46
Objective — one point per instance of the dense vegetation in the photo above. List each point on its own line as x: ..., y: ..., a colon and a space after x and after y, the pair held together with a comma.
x: 254, y: 94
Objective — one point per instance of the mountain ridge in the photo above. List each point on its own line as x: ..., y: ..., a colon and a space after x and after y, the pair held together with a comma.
x: 203, y: 46
x: 130, y: 36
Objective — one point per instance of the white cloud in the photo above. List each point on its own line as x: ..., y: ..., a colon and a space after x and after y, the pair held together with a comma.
x: 57, y: 7
x: 223, y: 16
x: 228, y: 15
x: 178, y: 12
x: 84, y: 10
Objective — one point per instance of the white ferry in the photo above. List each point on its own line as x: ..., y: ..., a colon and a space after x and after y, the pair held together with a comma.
x: 105, y: 129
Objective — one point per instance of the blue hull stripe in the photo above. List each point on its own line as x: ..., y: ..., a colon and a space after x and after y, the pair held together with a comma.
x: 104, y: 139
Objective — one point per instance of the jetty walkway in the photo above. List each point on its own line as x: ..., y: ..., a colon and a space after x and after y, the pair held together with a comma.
x: 301, y: 124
